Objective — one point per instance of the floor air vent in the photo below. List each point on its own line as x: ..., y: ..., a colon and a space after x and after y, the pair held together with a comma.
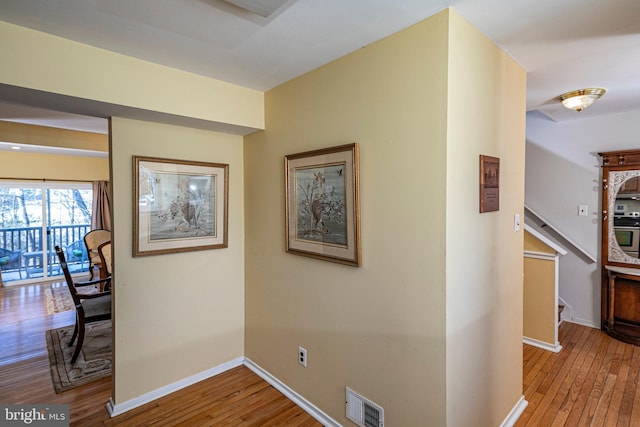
x: 362, y: 411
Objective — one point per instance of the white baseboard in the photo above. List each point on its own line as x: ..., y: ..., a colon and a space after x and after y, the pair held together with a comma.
x: 567, y: 315
x: 583, y: 322
x: 308, y: 407
x: 118, y: 409
x: 515, y: 413
x: 543, y: 345
x: 123, y: 407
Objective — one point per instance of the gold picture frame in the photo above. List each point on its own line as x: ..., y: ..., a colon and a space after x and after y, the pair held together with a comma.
x: 179, y: 205
x: 489, y: 184
x: 323, y: 204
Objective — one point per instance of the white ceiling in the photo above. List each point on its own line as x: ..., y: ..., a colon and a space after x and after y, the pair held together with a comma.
x: 563, y: 45
x: 41, y: 117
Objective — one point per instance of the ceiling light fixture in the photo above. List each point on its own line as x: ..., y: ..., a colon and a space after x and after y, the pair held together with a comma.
x: 264, y: 8
x: 580, y: 99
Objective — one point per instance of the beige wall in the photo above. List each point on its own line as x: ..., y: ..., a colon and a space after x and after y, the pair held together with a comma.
x: 180, y: 314
x: 175, y: 315
x: 52, y: 167
x: 19, y: 133
x: 540, y: 293
x: 432, y: 342
x: 486, y: 115
x: 29, y: 165
x: 86, y: 72
x: 540, y: 305
x: 533, y: 244
x: 381, y: 329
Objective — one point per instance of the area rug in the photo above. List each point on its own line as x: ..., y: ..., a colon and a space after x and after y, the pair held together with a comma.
x: 94, y: 360
x: 58, y: 300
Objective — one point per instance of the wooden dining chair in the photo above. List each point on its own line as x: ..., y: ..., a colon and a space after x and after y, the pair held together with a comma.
x: 92, y: 240
x: 104, y: 250
x: 90, y: 307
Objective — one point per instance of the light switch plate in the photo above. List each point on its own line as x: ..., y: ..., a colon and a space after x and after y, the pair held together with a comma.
x: 516, y: 222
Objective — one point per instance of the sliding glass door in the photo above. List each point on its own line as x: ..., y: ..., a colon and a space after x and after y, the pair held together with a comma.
x: 34, y: 218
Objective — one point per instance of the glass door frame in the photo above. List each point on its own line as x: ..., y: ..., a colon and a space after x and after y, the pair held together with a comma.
x: 33, y: 262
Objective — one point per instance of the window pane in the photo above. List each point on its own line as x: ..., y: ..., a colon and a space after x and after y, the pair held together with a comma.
x: 20, y: 230
x: 69, y: 206
x: 34, y: 218
x: 69, y: 220
x: 20, y: 207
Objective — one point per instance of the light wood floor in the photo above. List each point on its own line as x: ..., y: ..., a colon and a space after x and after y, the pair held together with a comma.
x: 593, y: 381
x: 235, y: 398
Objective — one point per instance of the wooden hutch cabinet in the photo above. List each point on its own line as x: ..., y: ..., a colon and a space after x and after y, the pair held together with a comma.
x: 621, y: 245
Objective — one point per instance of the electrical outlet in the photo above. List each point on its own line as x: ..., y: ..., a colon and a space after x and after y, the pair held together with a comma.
x: 302, y: 356
x: 582, y: 210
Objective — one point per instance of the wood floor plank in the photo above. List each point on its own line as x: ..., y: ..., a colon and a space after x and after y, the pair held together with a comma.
x: 237, y: 397
x: 622, y: 374
x: 563, y: 400
x: 635, y: 412
x: 534, y: 369
x: 573, y: 394
x: 599, y: 386
x: 582, y: 397
x: 594, y: 380
x: 596, y: 383
x: 556, y: 387
x: 548, y: 367
x: 604, y: 402
x: 626, y: 404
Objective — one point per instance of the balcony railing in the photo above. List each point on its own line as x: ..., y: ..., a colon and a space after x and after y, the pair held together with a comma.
x: 29, y: 244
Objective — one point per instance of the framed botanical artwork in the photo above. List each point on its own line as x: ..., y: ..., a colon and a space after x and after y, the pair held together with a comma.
x: 489, y: 184
x: 179, y: 206
x: 323, y: 204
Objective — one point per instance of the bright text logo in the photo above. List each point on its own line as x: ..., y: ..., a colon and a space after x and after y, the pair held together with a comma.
x: 37, y: 415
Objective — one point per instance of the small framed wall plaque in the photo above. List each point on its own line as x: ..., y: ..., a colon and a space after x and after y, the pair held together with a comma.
x: 489, y: 184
